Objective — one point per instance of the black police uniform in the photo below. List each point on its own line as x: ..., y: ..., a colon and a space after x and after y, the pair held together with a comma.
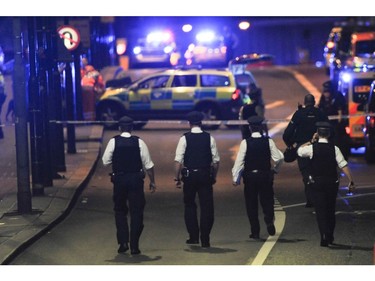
x: 248, y: 110
x: 197, y: 180
x: 258, y: 182
x: 128, y: 193
x: 300, y: 130
x: 324, y: 188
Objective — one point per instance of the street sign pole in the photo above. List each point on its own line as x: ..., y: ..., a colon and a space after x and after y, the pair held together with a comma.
x: 22, y: 151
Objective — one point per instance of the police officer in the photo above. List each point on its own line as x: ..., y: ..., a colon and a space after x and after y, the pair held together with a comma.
x: 130, y: 159
x: 253, y: 106
x: 254, y: 164
x: 333, y: 103
x: 324, y: 180
x: 196, y: 165
x: 300, y: 129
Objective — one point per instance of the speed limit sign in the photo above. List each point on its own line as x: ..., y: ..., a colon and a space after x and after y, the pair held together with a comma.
x: 70, y: 36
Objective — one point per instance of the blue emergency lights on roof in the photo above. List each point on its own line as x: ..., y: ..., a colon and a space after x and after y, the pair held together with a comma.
x: 158, y: 36
x: 346, y: 77
x: 137, y: 50
x: 168, y: 49
x: 205, y: 36
x: 187, y: 28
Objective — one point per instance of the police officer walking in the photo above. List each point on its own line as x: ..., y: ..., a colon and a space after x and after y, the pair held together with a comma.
x: 254, y: 164
x: 300, y: 130
x: 130, y: 159
x: 254, y: 106
x: 324, y: 179
x: 196, y: 165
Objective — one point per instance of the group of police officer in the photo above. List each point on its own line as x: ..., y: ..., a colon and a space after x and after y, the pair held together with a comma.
x: 310, y: 131
x: 196, y: 167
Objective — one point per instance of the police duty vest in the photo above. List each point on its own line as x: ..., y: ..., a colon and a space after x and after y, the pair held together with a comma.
x: 258, y: 154
x: 323, y: 162
x: 126, y: 155
x: 198, y: 150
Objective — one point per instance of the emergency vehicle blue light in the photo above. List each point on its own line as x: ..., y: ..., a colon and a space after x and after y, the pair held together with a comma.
x: 205, y: 36
x: 346, y: 77
x: 158, y: 37
x: 168, y: 49
x: 187, y: 27
x: 137, y: 50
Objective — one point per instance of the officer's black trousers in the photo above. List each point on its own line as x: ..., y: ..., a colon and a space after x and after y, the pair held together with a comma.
x: 324, y: 200
x: 259, y: 186
x: 128, y: 197
x: 199, y: 183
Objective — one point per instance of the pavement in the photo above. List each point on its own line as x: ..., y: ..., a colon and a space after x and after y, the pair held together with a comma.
x: 18, y: 231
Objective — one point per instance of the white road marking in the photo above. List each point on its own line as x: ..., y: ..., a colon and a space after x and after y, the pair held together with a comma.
x: 274, y: 104
x: 271, y: 240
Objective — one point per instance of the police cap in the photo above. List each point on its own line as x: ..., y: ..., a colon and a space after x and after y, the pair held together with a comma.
x: 309, y: 99
x: 323, y: 124
x: 328, y: 86
x: 125, y: 121
x: 255, y: 120
x: 195, y: 117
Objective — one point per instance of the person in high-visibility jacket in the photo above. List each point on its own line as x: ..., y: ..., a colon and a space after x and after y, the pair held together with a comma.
x: 92, y: 89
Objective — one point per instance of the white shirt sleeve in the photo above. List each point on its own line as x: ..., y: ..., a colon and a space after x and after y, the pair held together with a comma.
x: 108, y: 153
x: 276, y: 155
x: 341, y: 162
x: 240, y: 161
x: 180, y: 150
x: 145, y: 155
x: 305, y: 151
x: 214, y: 151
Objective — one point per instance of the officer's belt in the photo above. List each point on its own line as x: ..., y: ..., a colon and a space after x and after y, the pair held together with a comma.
x: 125, y: 173
x: 258, y: 171
x: 198, y: 169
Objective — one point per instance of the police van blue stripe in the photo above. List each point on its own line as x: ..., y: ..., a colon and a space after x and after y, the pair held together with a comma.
x: 139, y: 105
x: 205, y: 94
x: 182, y: 104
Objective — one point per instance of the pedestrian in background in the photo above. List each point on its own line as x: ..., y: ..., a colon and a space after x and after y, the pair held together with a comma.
x: 300, y: 130
x: 130, y: 160
x: 93, y: 87
x: 196, y: 165
x: 257, y: 161
x: 254, y: 106
x: 332, y: 103
x: 324, y: 178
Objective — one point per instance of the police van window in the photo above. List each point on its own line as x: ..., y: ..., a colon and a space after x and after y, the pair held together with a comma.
x: 184, y: 81
x: 361, y: 90
x: 365, y: 47
x: 214, y: 80
x: 154, y: 82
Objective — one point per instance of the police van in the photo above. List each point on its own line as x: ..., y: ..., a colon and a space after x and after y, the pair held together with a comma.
x: 171, y: 94
x: 355, y: 87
